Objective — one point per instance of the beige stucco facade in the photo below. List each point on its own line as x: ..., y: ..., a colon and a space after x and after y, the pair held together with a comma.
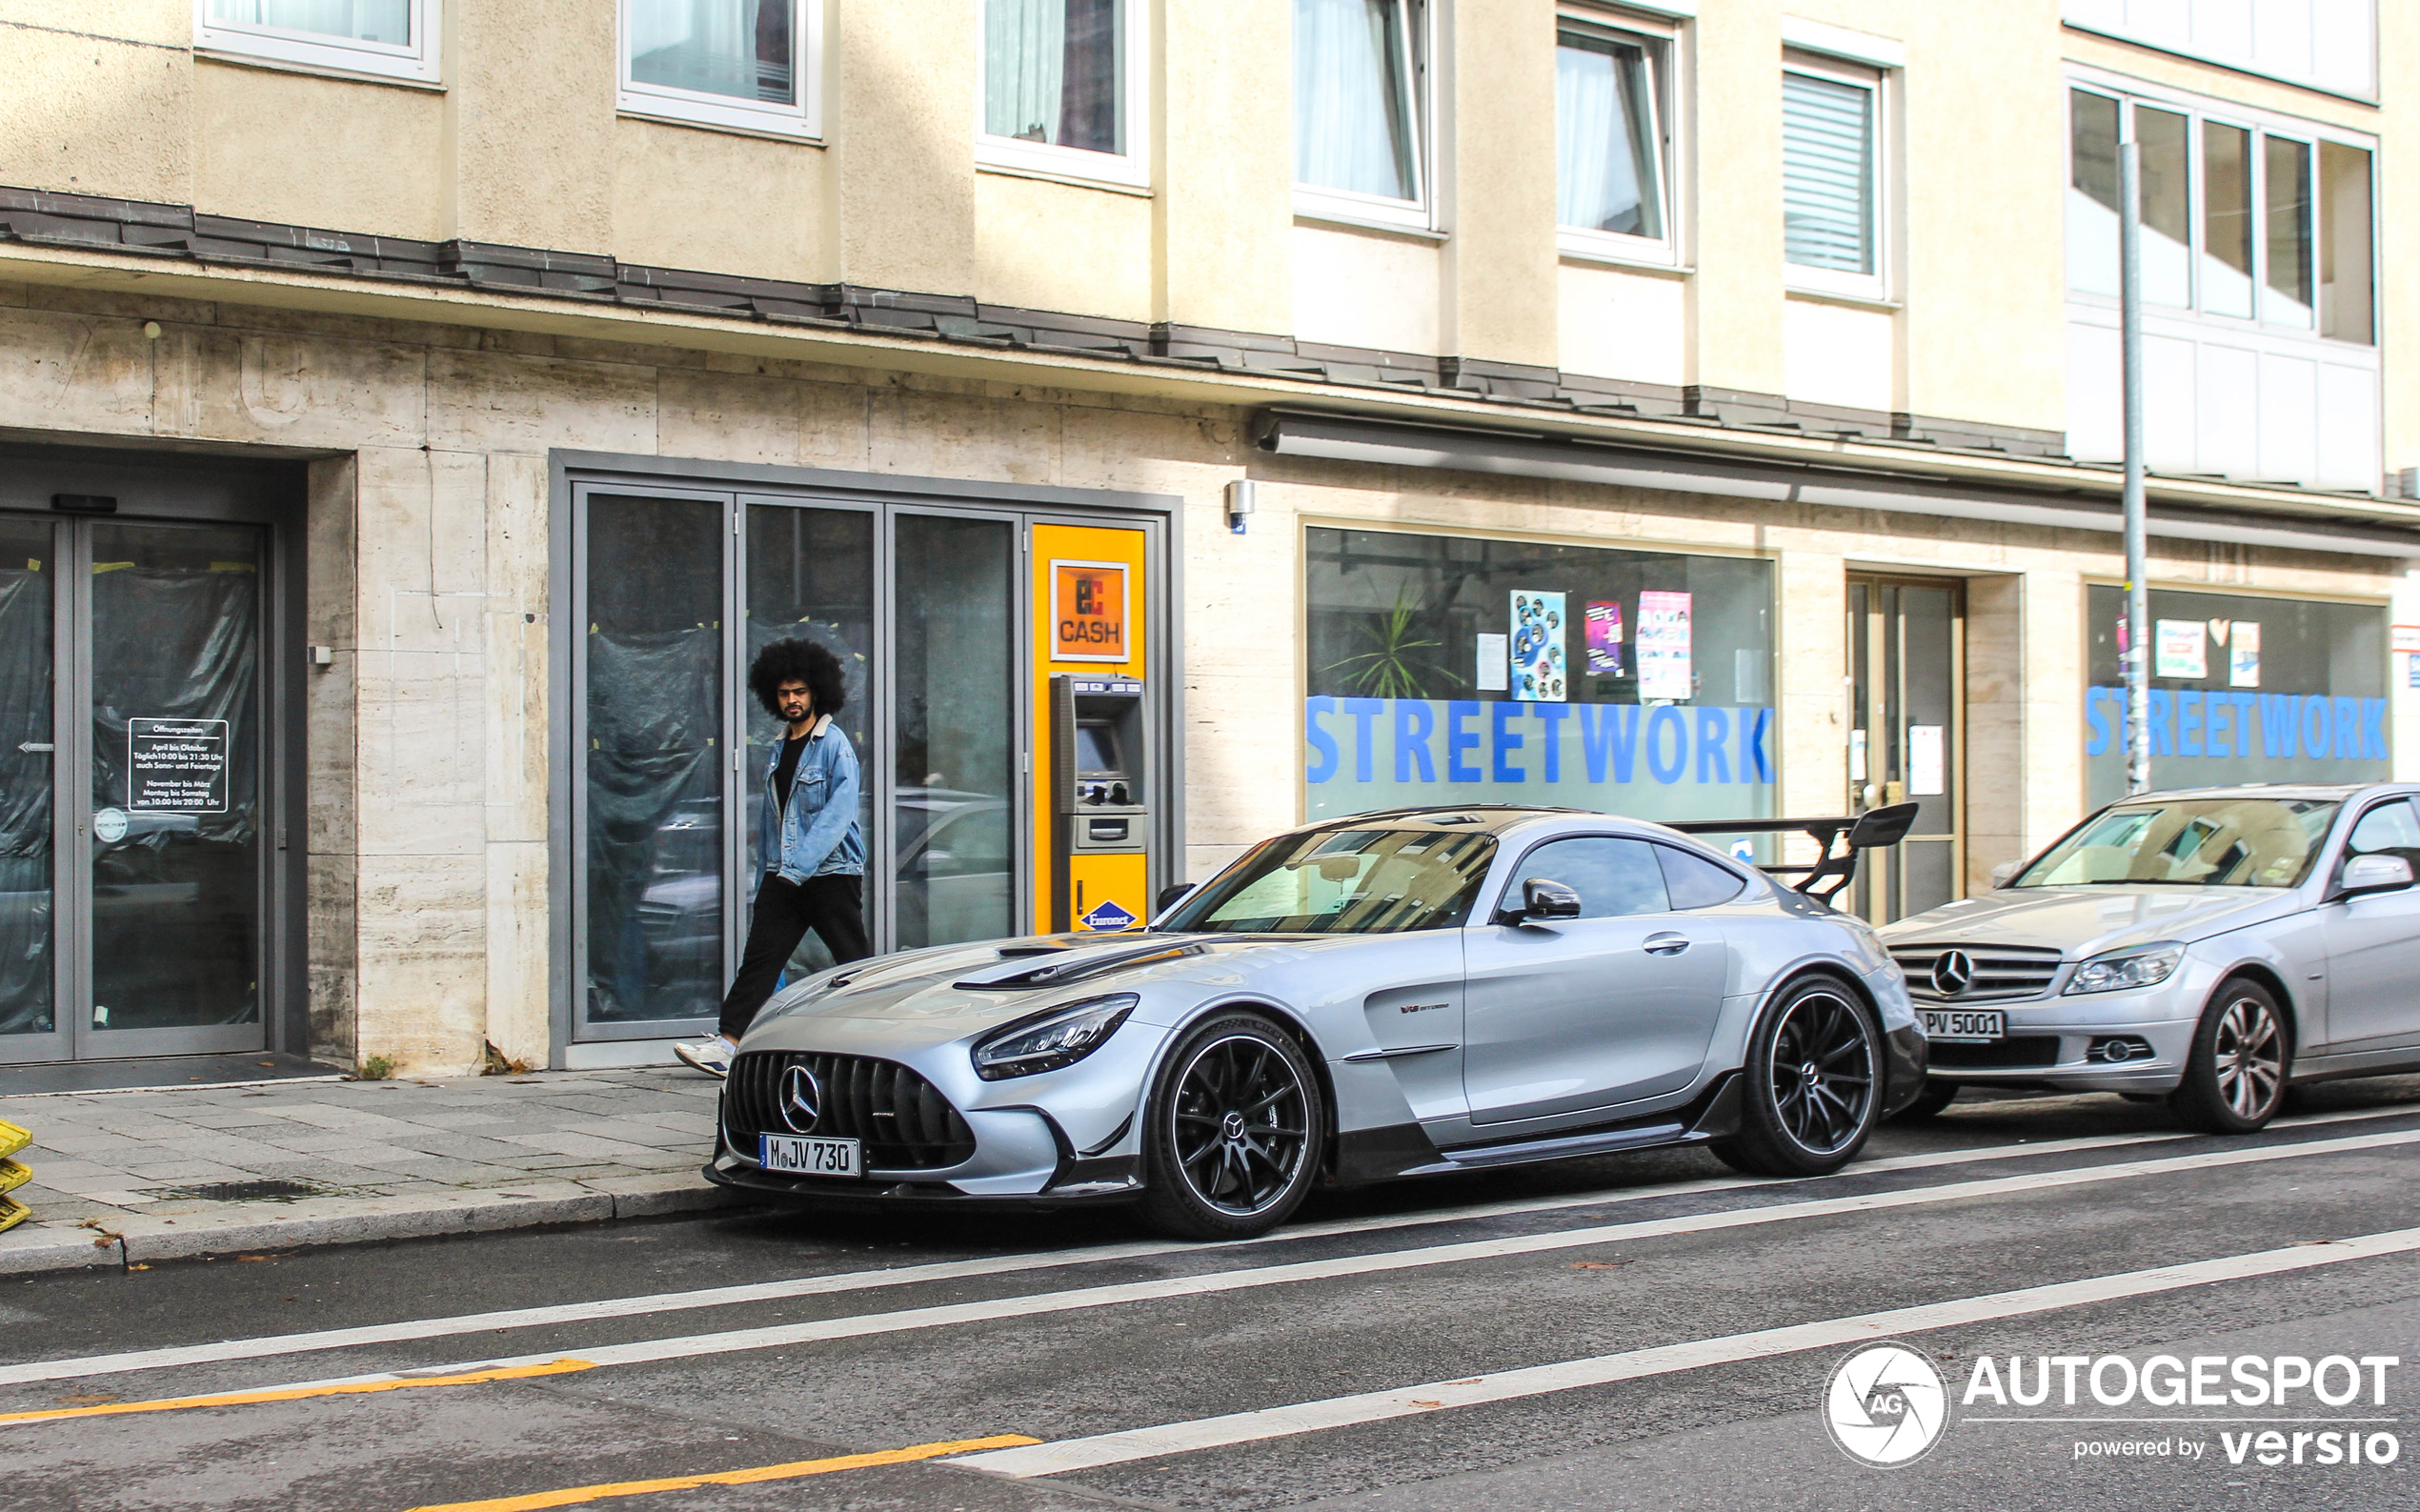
x: 424, y: 412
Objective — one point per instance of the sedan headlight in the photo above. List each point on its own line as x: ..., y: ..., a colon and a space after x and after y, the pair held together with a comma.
x: 1060, y: 1038
x: 2142, y: 966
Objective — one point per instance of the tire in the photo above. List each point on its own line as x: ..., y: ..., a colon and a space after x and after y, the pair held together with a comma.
x: 1928, y: 1104
x: 1235, y: 1132
x: 1813, y: 1084
x: 2235, y: 1077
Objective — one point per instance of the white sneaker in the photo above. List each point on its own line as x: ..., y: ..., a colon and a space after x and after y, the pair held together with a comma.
x: 712, y: 1056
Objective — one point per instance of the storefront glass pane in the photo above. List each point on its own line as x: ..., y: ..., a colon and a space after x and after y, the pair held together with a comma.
x: 175, y: 777
x: 809, y: 577
x: 2243, y: 690
x: 655, y: 772
x: 954, y: 650
x: 28, y: 568
x: 1450, y: 669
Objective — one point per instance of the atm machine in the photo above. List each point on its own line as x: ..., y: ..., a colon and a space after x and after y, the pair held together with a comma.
x: 1101, y: 843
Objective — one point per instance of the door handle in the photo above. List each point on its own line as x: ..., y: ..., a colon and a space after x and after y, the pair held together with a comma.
x: 35, y: 747
x: 1666, y: 943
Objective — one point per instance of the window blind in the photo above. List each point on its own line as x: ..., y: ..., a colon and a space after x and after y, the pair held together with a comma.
x: 1827, y: 174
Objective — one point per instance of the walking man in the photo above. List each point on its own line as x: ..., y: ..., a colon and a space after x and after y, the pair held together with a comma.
x: 814, y: 854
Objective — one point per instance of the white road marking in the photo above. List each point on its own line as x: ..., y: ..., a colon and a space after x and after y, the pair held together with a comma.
x: 607, y: 1309
x: 1335, y: 1412
x: 860, y: 1325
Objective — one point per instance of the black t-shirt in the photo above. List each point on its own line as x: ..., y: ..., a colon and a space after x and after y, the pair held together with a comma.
x: 787, y: 771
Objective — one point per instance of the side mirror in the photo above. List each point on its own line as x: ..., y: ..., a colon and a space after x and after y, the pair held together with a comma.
x: 2006, y: 873
x: 1541, y: 898
x: 1170, y: 893
x: 2374, y: 874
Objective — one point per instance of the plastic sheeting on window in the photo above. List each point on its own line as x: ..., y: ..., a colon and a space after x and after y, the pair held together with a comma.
x: 25, y: 961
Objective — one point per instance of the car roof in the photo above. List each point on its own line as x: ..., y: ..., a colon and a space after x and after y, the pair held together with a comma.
x: 1482, y: 819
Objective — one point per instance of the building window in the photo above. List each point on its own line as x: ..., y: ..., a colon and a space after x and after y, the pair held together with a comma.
x: 1358, y: 107
x: 1612, y: 147
x: 744, y: 65
x: 2284, y: 222
x: 1831, y: 177
x: 391, y: 38
x: 1059, y: 88
x: 2329, y: 44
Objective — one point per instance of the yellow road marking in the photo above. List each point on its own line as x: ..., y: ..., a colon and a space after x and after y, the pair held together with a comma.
x: 573, y: 1496
x: 246, y: 1398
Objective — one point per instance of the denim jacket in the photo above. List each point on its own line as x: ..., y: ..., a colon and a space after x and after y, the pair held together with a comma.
x: 817, y: 836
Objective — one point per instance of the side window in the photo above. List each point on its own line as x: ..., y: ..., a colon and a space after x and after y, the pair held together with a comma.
x: 1612, y: 877
x: 2389, y: 829
x: 1696, y: 883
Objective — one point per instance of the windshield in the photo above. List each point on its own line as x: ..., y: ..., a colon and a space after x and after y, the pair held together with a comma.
x: 1345, y: 882
x: 2189, y: 842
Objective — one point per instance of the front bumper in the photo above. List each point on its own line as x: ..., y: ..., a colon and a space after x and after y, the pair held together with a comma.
x: 2051, y: 1043
x: 1904, y: 1066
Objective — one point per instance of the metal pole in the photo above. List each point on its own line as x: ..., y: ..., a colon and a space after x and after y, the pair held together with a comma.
x: 2137, y: 657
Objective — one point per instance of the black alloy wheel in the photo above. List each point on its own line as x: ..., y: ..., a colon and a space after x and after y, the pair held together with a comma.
x: 1235, y: 1132
x: 1812, y: 1083
x: 2235, y: 1076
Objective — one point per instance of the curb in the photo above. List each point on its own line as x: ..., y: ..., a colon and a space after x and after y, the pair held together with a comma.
x: 142, y: 1238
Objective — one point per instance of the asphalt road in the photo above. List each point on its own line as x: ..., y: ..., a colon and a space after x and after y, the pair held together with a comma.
x: 1641, y: 1331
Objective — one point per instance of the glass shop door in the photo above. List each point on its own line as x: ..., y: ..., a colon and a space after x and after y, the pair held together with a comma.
x: 134, y: 877
x: 1906, y: 738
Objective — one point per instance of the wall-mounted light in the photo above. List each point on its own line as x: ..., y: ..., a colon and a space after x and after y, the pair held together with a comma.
x: 1240, y: 502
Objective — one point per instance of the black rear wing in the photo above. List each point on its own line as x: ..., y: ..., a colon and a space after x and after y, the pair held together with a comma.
x: 1840, y: 838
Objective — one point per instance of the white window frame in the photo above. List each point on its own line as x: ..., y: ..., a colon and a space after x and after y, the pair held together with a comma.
x: 802, y: 121
x: 2199, y: 112
x: 416, y: 64
x: 1878, y: 80
x: 1663, y: 40
x: 1418, y: 213
x: 1130, y: 169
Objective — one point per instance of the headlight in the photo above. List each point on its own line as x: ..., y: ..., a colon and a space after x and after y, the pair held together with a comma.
x: 1058, y: 1038
x: 2140, y: 967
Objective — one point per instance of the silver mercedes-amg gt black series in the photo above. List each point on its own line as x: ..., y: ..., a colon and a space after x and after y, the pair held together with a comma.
x: 1393, y: 995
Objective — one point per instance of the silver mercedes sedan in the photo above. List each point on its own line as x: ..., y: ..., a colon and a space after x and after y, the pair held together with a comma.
x: 1393, y: 995
x: 2208, y: 947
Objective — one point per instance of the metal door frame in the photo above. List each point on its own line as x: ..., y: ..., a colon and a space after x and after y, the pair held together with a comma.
x: 1877, y: 899
x: 171, y: 490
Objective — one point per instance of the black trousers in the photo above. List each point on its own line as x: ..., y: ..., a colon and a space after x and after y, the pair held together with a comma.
x: 831, y: 906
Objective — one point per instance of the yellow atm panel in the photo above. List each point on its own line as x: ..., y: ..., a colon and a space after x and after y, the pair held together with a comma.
x: 1094, y: 729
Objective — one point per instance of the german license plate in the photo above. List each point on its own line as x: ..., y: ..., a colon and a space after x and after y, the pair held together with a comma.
x: 780, y: 1151
x: 1959, y: 1024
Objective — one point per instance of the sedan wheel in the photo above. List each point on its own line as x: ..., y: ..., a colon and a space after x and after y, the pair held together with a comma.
x: 1234, y: 1133
x: 2235, y: 1078
x: 1811, y: 1084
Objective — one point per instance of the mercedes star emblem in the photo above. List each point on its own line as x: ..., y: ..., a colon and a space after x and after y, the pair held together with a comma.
x: 1953, y: 973
x: 802, y: 1100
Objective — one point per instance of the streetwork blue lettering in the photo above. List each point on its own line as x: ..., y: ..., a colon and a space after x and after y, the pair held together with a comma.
x: 1505, y: 740
x: 2373, y: 729
x: 1459, y: 740
x: 1753, y: 723
x: 2214, y: 724
x: 2243, y: 702
x: 1667, y: 718
x: 2318, y: 730
x: 2280, y: 720
x: 1714, y: 733
x: 1413, y: 722
x: 1610, y: 730
x: 2189, y: 722
x: 1362, y: 710
x: 1554, y: 715
x: 1626, y: 721
x: 2099, y: 740
x: 1323, y: 766
x: 2163, y: 727
x: 2349, y: 746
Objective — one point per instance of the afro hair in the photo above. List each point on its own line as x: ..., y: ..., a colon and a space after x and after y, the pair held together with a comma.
x: 801, y: 661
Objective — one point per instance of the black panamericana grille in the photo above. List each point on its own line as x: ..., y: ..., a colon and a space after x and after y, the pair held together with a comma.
x: 903, y: 1121
x: 2017, y: 1051
x: 1996, y: 972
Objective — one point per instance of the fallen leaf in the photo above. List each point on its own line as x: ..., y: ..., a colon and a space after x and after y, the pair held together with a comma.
x: 1418, y: 1402
x: 252, y: 1256
x: 86, y: 1401
x: 1596, y: 1265
x: 138, y: 1267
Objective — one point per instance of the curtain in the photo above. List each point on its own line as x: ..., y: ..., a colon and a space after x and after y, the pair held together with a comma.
x: 387, y: 20
x: 736, y: 48
x: 1827, y: 174
x: 1024, y: 67
x: 1352, y: 115
x: 1607, y: 153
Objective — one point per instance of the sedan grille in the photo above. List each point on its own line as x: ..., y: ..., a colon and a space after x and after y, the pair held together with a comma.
x: 902, y: 1120
x: 1993, y: 972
